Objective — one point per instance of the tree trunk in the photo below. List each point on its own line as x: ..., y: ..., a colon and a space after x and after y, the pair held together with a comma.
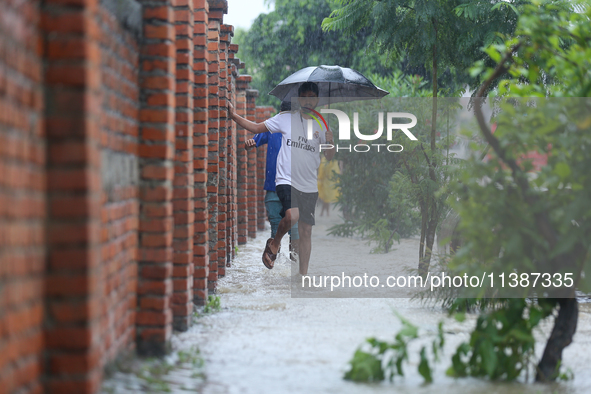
x: 424, y: 219
x: 425, y: 262
x: 434, y: 111
x: 430, y: 222
x: 565, y: 326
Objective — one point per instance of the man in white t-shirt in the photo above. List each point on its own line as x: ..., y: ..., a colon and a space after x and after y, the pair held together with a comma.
x: 297, y: 169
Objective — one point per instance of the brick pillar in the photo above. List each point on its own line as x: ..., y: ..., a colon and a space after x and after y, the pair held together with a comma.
x: 200, y: 153
x: 157, y: 149
x: 119, y: 173
x: 232, y: 219
x: 213, y: 45
x: 183, y: 193
x: 72, y: 292
x: 22, y: 200
x: 251, y: 96
x: 226, y: 34
x: 242, y: 160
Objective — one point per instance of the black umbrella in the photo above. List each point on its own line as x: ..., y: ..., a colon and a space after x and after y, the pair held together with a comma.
x: 335, y: 84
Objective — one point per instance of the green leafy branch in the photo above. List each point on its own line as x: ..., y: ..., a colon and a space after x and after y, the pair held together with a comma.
x: 385, y: 359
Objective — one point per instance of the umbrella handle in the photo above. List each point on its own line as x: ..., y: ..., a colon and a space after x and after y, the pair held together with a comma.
x: 329, y: 86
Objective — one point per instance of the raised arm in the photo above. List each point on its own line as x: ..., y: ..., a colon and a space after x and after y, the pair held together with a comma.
x: 253, y: 127
x: 257, y: 140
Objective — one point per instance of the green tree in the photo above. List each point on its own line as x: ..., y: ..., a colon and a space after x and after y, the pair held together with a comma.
x: 291, y: 37
x: 542, y: 224
x: 515, y: 222
x: 377, y: 203
x: 440, y: 34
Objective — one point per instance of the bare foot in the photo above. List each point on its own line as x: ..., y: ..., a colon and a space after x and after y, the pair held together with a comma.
x: 274, y: 247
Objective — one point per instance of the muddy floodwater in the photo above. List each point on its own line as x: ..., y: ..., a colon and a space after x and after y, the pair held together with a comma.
x: 265, y: 341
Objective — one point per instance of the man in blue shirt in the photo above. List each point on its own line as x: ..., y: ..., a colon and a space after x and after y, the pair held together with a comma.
x: 272, y: 202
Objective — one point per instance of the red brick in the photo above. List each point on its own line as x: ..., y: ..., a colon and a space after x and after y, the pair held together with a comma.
x: 158, y: 82
x: 157, y: 172
x: 156, y: 240
x: 76, y: 179
x: 72, y: 259
x: 156, y: 115
x: 162, y: 49
x: 154, y: 287
x: 165, y: 32
x: 155, y: 255
x: 164, y: 13
x: 166, y: 65
x: 70, y: 233
x: 155, y: 334
x: 181, y: 298
x: 87, y: 384
x: 71, y: 285
x: 160, y: 271
x: 156, y: 225
x: 74, y: 311
x: 70, y: 152
x: 155, y: 194
x: 155, y: 303
x: 74, y: 338
x: 183, y: 15
x: 149, y: 318
x: 156, y: 151
x: 70, y: 207
x: 161, y: 99
x: 74, y: 363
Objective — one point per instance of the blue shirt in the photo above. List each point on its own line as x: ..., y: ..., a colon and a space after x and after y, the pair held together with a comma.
x: 273, y: 141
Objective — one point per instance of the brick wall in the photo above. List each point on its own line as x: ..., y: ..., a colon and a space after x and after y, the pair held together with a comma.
x: 213, y: 158
x: 119, y: 173
x: 183, y: 193
x: 226, y: 33
x: 251, y: 179
x: 232, y: 219
x: 242, y: 158
x: 22, y: 199
x: 200, y: 152
x: 156, y: 156
x: 124, y: 187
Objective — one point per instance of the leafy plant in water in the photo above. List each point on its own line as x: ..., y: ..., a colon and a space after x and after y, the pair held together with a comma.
x: 501, y: 346
x: 192, y: 356
x: 154, y: 374
x: 213, y: 304
x: 385, y: 359
x: 564, y: 375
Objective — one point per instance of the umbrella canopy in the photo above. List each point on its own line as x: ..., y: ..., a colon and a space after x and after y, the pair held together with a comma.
x: 335, y: 84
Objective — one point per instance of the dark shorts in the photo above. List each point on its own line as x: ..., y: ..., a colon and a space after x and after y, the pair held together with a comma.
x: 293, y: 198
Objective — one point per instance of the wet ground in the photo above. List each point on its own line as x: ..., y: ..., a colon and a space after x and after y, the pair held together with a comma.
x: 265, y: 341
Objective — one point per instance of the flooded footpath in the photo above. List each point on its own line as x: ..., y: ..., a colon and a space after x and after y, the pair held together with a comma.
x: 265, y: 341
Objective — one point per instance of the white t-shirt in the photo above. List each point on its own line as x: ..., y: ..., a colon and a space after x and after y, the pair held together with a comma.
x: 299, y: 157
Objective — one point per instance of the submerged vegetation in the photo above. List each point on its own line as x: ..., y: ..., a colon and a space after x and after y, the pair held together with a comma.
x: 181, y: 370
